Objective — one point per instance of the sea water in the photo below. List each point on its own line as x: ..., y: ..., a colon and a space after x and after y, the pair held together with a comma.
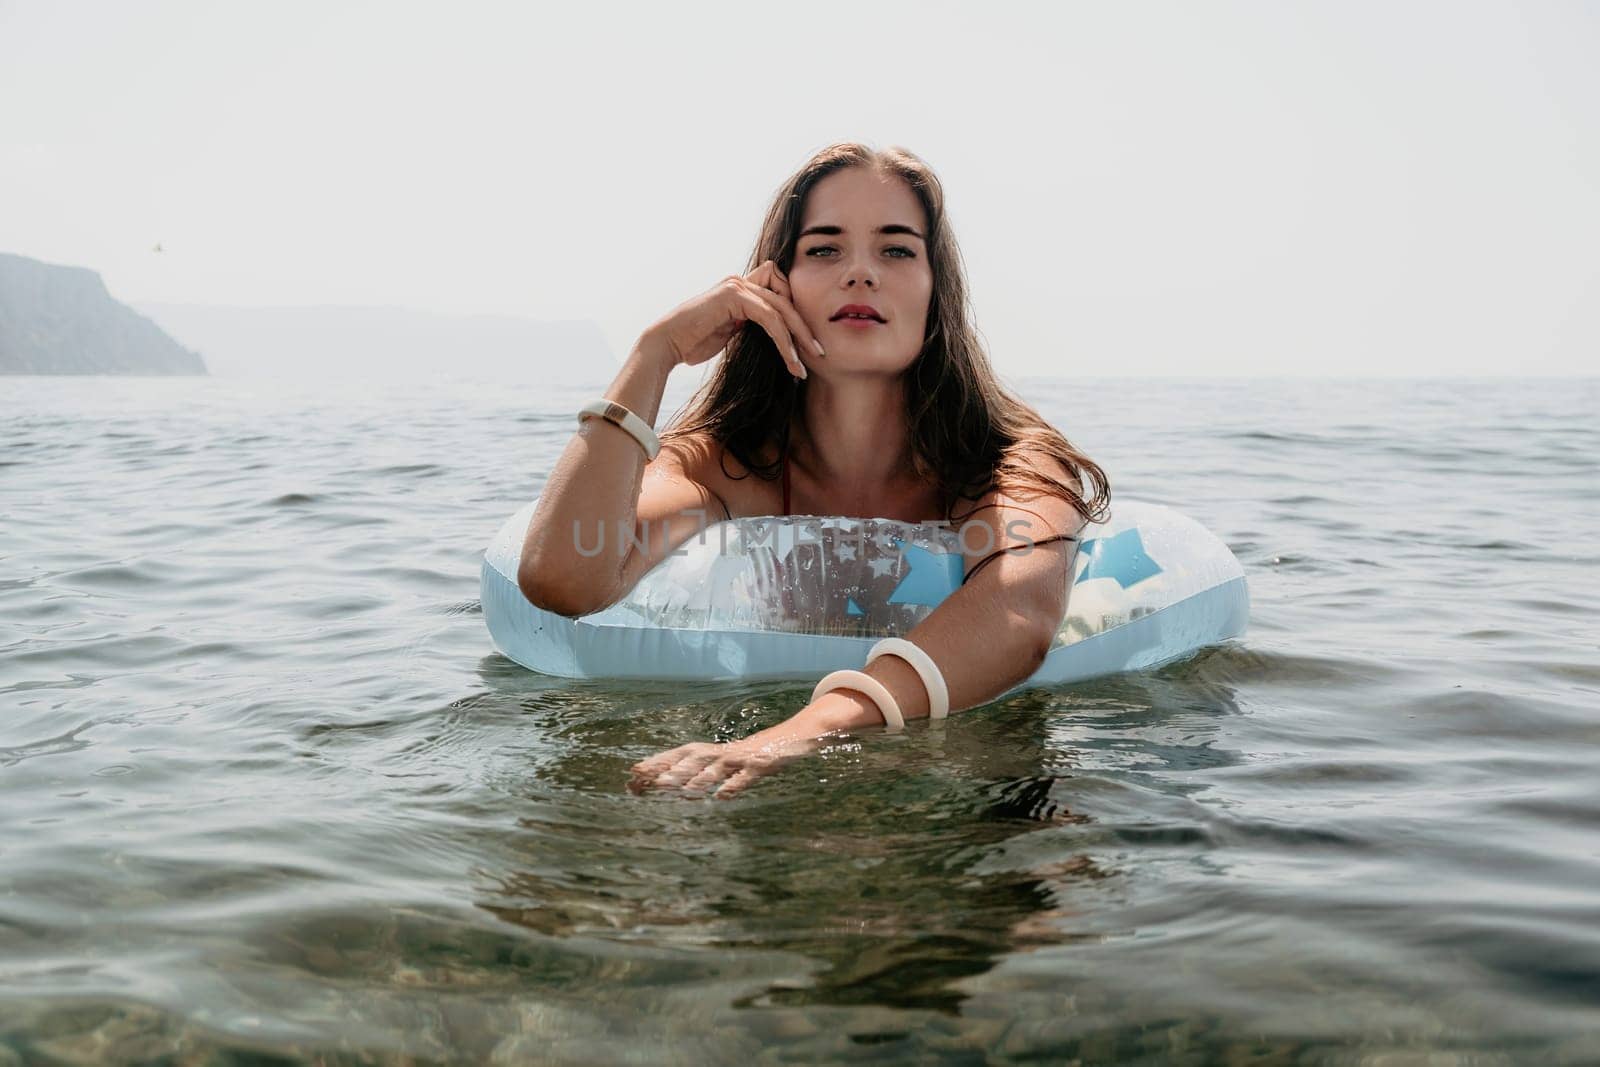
x: 267, y: 791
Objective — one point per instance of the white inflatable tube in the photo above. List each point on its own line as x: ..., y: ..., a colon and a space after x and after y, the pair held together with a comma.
x: 803, y: 596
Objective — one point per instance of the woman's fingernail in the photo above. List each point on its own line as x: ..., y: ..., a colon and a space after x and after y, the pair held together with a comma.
x: 818, y: 343
x: 802, y: 371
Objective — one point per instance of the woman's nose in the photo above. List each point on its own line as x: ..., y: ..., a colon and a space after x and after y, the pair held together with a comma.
x: 860, y: 272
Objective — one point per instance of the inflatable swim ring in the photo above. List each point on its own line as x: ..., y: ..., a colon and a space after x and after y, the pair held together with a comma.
x: 802, y: 596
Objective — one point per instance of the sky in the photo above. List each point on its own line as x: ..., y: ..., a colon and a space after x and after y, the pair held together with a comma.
x: 1139, y: 189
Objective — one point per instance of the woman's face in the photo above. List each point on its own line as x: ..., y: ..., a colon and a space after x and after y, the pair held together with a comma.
x: 862, y: 243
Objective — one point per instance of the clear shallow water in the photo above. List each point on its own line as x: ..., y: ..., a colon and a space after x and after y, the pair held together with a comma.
x: 267, y: 791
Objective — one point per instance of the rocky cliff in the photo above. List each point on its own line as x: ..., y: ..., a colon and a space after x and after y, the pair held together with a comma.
x: 61, y: 320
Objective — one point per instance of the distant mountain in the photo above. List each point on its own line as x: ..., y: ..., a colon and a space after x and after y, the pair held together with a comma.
x: 61, y: 320
x: 388, y: 343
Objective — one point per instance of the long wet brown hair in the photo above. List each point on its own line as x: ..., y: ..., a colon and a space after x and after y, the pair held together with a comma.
x: 968, y: 433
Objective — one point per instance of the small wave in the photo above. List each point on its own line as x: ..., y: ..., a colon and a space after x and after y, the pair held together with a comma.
x: 338, y: 607
x: 125, y: 576
x: 181, y: 529
x: 1322, y: 772
x: 1238, y: 831
x: 1483, y: 713
x: 1161, y: 836
x: 425, y: 470
x: 1263, y: 435
x: 1237, y: 664
x: 1569, y: 672
x: 1559, y: 606
x: 1493, y: 546
x: 50, y: 746
x: 1029, y: 799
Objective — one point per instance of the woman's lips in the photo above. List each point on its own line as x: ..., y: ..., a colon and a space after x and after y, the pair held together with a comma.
x: 857, y: 324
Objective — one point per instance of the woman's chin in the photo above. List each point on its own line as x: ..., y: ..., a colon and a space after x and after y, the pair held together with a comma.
x: 861, y: 356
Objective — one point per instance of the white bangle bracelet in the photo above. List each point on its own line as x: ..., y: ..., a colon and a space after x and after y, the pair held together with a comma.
x: 865, y: 683
x: 618, y: 415
x: 922, y: 663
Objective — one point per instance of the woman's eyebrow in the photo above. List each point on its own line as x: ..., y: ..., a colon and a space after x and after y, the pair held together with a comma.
x: 834, y: 231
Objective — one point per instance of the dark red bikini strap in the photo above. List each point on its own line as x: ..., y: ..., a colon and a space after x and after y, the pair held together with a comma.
x: 991, y: 557
x: 786, y: 483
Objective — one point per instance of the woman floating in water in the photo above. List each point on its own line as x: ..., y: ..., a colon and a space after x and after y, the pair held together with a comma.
x: 853, y: 384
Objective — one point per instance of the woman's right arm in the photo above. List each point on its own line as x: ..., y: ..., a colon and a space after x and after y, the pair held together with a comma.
x: 574, y: 552
x: 606, y: 516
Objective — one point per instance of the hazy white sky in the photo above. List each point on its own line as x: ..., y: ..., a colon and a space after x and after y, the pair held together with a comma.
x: 1139, y: 188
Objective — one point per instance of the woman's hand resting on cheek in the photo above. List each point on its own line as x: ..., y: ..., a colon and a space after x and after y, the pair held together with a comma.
x: 698, y: 329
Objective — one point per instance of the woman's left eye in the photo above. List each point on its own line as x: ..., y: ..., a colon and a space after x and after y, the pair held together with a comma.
x: 902, y: 248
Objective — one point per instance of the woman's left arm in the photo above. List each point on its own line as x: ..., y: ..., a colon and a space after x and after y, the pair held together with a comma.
x: 985, y: 637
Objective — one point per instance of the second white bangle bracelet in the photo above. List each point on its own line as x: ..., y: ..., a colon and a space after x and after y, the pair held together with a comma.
x: 864, y: 683
x: 922, y: 663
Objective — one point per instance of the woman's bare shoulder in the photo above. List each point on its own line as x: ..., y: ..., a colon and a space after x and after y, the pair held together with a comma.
x: 1013, y: 499
x: 688, y: 452
x: 702, y: 458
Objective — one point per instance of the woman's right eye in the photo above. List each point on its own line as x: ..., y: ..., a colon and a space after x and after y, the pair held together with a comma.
x: 820, y: 248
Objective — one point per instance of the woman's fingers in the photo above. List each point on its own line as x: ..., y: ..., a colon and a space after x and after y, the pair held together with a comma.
x: 660, y: 761
x: 699, y: 328
x: 797, y: 325
x: 734, y: 776
x: 738, y: 783
x: 673, y: 766
x: 709, y: 776
x: 703, y: 768
x: 769, y: 277
x: 766, y: 309
x: 687, y: 767
x: 808, y: 339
